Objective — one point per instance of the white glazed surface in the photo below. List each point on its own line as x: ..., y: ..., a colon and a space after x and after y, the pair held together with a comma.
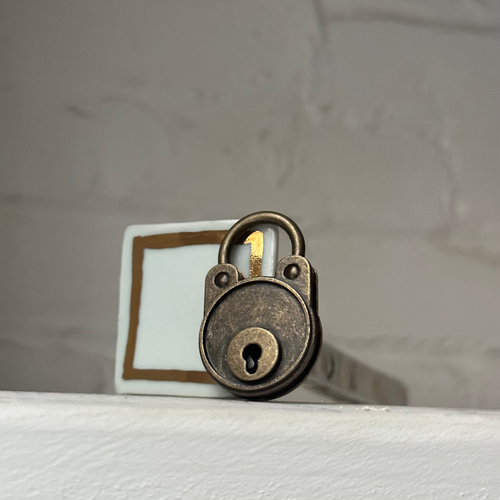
x: 171, y: 308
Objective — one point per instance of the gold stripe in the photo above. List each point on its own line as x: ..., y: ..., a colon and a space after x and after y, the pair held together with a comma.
x: 256, y: 241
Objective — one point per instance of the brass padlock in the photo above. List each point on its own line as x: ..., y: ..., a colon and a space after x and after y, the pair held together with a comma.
x: 260, y: 336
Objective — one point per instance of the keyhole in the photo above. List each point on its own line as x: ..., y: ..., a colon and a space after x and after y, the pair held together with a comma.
x: 251, y: 355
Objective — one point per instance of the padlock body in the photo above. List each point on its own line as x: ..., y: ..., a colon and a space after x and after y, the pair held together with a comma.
x: 271, y: 304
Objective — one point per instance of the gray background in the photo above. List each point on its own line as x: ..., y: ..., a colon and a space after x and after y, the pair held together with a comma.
x: 375, y: 125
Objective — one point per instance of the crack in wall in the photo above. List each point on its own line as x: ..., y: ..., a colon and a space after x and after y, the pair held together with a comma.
x: 442, y: 16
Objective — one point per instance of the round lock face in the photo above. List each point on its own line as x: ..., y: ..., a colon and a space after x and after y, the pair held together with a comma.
x: 255, y: 319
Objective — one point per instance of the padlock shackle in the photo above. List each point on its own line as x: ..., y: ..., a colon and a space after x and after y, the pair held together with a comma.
x: 287, y: 224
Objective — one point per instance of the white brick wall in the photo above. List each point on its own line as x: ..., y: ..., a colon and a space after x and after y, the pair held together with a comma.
x: 376, y: 125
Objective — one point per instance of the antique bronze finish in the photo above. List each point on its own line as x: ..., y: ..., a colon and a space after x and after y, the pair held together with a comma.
x: 253, y: 354
x: 243, y: 315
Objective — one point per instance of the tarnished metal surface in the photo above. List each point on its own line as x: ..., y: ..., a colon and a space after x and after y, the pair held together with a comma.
x: 253, y: 354
x: 285, y: 306
x: 248, y: 222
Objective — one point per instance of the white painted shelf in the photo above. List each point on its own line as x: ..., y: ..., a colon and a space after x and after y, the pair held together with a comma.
x: 129, y: 447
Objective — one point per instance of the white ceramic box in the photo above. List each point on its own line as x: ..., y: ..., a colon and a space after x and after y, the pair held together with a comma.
x: 161, y: 303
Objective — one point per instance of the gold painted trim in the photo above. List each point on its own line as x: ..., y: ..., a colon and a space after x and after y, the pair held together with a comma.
x: 158, y: 241
x: 256, y: 242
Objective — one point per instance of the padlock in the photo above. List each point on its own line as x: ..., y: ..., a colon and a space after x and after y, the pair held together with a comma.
x: 260, y: 336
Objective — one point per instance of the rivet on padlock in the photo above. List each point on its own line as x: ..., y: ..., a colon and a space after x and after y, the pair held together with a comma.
x: 261, y: 336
